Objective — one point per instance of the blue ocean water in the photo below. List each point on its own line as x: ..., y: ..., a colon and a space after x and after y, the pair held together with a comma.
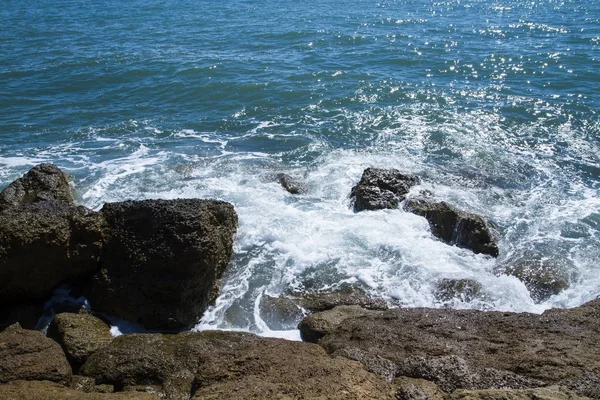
x: 493, y: 102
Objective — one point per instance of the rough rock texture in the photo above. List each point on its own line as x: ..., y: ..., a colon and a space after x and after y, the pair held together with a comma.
x: 44, y: 390
x: 42, y: 183
x: 230, y: 365
x: 464, y: 289
x: 417, y: 389
x: 468, y: 349
x: 80, y: 335
x: 286, y: 312
x: 545, y: 393
x: 161, y: 259
x: 543, y: 277
x: 381, y: 188
x: 29, y: 355
x: 44, y: 244
x: 289, y: 183
x: 456, y: 227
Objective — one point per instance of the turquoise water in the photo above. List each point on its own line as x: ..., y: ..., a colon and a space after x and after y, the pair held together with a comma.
x: 494, y: 103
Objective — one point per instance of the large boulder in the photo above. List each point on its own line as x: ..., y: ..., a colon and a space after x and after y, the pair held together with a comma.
x: 468, y: 349
x: 44, y: 390
x: 29, y: 355
x: 45, y: 182
x: 161, y: 260
x: 381, y: 188
x: 80, y: 335
x: 456, y: 227
x: 44, y: 244
x: 230, y: 365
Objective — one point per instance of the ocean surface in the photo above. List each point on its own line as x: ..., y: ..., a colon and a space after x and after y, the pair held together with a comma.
x: 494, y: 103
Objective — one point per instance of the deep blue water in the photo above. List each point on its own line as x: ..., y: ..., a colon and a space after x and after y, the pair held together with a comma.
x: 494, y: 103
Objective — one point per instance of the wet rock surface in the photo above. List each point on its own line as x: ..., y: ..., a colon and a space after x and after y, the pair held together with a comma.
x: 463, y: 289
x: 44, y: 182
x: 161, y: 259
x: 30, y: 355
x: 79, y: 335
x: 467, y: 349
x: 290, y: 184
x: 381, y: 188
x: 229, y: 365
x: 456, y: 227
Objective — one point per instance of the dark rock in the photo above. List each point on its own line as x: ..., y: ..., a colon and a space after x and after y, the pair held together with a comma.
x: 45, y: 244
x: 289, y: 183
x: 469, y: 349
x: 45, y: 182
x: 29, y: 355
x: 543, y: 393
x: 161, y: 260
x: 280, y: 313
x: 26, y: 314
x: 229, y: 365
x: 464, y: 289
x: 456, y: 227
x: 80, y: 335
x: 44, y: 390
x: 381, y: 188
x: 543, y: 277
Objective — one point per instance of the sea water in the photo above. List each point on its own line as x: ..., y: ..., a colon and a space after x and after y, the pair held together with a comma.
x: 494, y: 103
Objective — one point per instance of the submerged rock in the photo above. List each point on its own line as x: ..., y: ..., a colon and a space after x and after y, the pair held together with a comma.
x: 45, y: 182
x: 381, y: 188
x: 230, y: 365
x: 465, y: 289
x: 456, y: 227
x: 29, y: 355
x: 80, y: 335
x: 468, y: 349
x: 44, y: 390
x: 289, y: 183
x: 44, y: 244
x: 161, y: 260
x: 543, y: 277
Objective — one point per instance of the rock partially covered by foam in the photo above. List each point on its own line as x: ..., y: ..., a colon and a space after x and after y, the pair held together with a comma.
x: 289, y: 183
x: 161, y: 260
x: 381, y: 188
x: 44, y: 182
x: 455, y: 226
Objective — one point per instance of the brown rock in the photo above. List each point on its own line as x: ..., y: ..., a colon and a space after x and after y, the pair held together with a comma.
x: 80, y: 335
x: 161, y: 260
x: 29, y: 355
x: 468, y: 349
x: 417, y: 389
x: 544, y: 393
x: 44, y: 390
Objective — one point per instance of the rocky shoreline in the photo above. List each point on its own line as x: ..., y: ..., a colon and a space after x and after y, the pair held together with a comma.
x: 157, y: 263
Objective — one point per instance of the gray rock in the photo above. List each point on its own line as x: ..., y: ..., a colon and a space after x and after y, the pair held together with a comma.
x: 44, y: 244
x: 45, y: 182
x: 417, y: 389
x: 543, y: 277
x: 29, y: 355
x: 543, y: 393
x: 464, y: 289
x: 381, y: 188
x: 292, y: 185
x: 469, y: 349
x: 161, y: 260
x: 456, y: 227
x: 80, y: 335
